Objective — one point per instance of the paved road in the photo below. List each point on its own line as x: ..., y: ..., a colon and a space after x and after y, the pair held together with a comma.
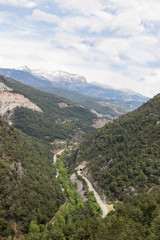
x: 99, y: 201
x: 90, y: 187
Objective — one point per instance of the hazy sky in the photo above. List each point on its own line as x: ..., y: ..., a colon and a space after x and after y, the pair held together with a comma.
x: 114, y: 42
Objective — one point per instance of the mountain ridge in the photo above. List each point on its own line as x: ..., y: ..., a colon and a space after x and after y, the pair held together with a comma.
x: 102, y: 109
x: 27, y: 192
x: 74, y: 82
x: 123, y: 156
x: 123, y: 161
x: 60, y: 118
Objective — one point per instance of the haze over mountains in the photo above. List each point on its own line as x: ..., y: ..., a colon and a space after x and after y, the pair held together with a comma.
x: 55, y: 117
x: 76, y: 83
x: 121, y: 160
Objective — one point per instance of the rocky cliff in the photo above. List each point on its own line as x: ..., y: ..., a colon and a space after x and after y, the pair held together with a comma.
x: 9, y: 101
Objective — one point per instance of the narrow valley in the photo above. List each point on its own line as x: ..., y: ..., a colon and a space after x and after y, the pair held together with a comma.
x: 104, y: 206
x: 46, y: 197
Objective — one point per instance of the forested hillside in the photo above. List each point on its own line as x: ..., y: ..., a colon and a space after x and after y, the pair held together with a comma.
x: 60, y: 118
x: 136, y: 219
x: 106, y: 109
x: 28, y: 187
x: 124, y: 156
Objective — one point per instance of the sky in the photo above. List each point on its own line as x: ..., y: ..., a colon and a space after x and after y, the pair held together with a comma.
x: 113, y: 42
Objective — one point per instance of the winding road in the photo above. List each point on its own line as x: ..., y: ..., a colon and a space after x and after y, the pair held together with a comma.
x: 105, y: 208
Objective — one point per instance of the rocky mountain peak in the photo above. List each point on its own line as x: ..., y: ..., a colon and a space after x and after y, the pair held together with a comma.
x: 54, y: 76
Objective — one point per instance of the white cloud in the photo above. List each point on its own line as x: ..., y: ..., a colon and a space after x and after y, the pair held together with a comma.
x: 111, y: 41
x: 38, y: 15
x: 16, y: 52
x: 23, y: 3
x: 130, y: 18
x: 138, y: 50
x: 148, y: 85
x: 74, y: 23
x: 86, y: 7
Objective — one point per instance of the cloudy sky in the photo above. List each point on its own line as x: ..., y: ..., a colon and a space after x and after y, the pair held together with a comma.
x: 114, y: 42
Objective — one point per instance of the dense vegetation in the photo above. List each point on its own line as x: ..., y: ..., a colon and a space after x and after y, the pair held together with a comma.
x: 124, y: 156
x: 73, y: 210
x: 108, y: 110
x: 74, y: 198
x: 136, y: 219
x: 28, y: 187
x: 72, y: 121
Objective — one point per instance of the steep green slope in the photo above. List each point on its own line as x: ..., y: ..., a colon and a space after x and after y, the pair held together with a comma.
x: 124, y: 156
x: 136, y: 219
x: 60, y: 118
x: 28, y: 187
x: 108, y: 110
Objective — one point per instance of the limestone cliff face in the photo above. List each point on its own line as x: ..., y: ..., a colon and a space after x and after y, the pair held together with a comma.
x: 4, y: 88
x: 9, y: 101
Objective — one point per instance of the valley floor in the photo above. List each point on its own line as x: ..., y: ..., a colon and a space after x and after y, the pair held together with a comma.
x: 104, y: 207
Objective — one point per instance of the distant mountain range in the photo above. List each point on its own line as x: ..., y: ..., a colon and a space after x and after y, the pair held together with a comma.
x: 24, y: 77
x: 73, y: 82
x: 43, y: 115
x: 101, y: 108
x: 121, y: 161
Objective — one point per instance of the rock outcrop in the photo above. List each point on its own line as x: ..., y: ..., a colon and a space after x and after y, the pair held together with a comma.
x: 9, y: 101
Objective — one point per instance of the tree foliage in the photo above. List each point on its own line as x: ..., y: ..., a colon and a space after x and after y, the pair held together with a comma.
x: 29, y: 190
x: 72, y: 121
x: 136, y: 219
x: 124, y: 155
